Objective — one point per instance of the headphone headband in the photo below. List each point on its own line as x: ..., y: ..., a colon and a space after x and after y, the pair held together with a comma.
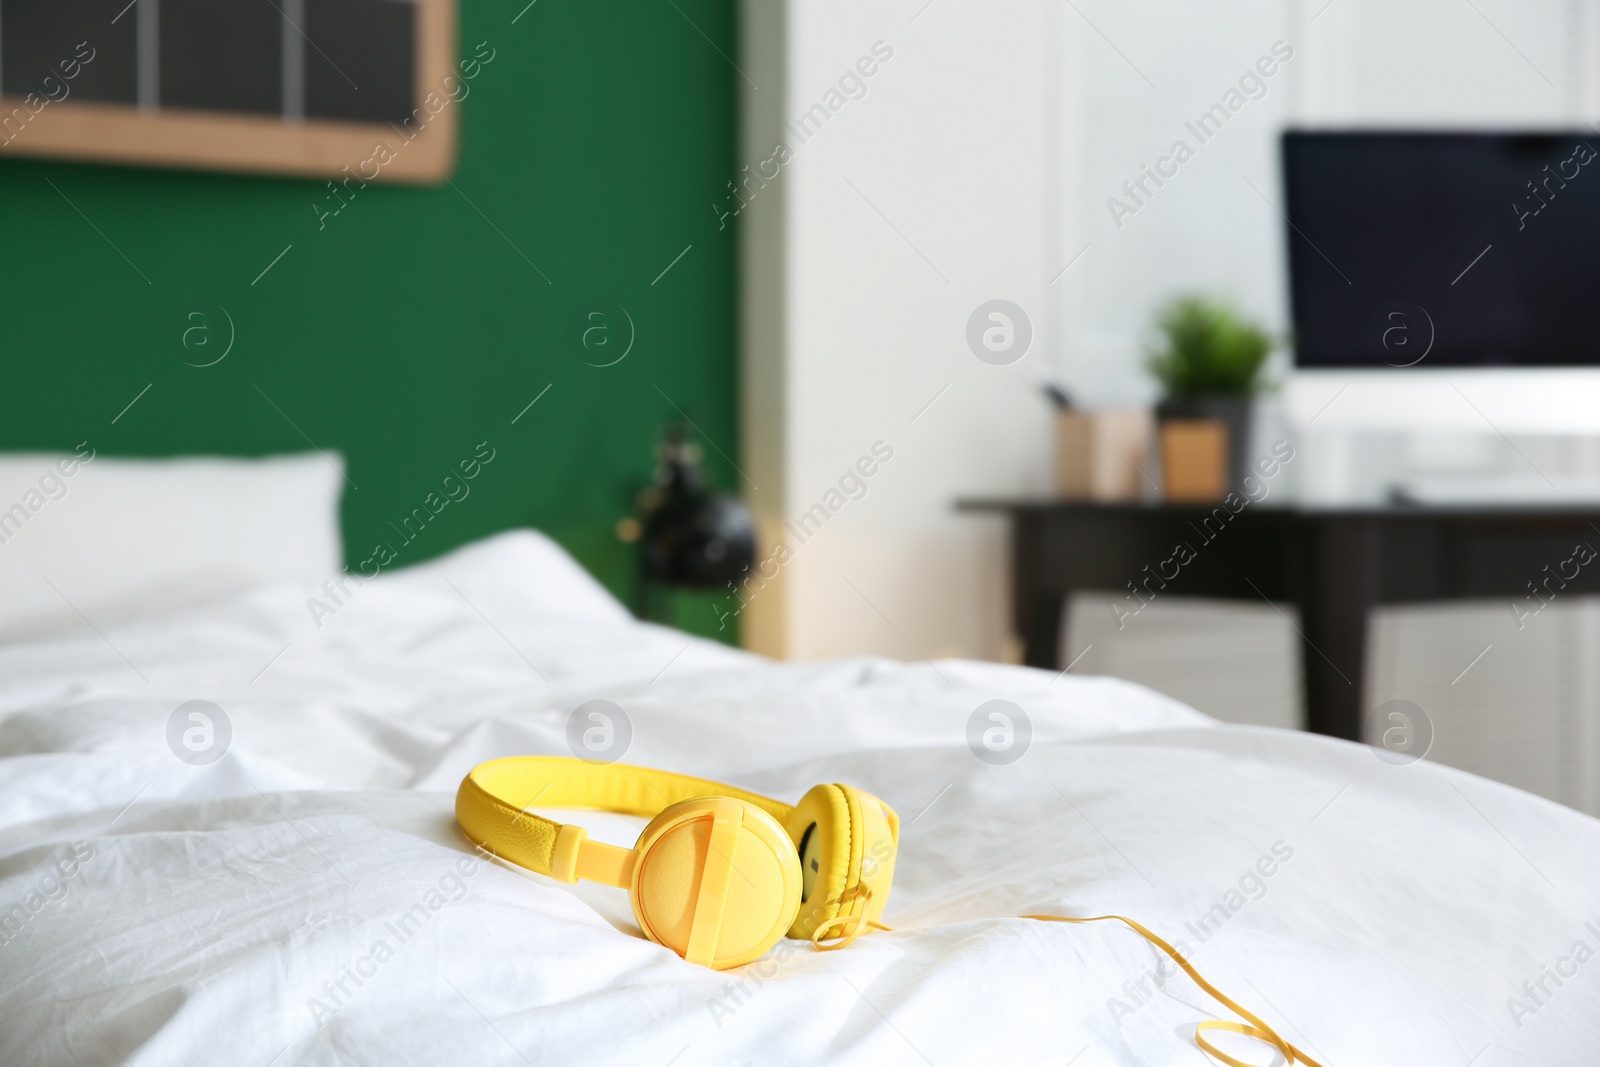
x: 492, y: 804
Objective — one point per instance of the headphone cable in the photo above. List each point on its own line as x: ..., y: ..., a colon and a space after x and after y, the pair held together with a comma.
x: 1256, y: 1027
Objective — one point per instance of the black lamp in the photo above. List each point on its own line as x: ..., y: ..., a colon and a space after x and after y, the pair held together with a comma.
x: 689, y: 535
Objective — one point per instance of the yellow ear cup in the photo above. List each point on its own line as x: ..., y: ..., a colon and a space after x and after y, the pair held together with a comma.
x: 847, y: 840
x: 717, y: 881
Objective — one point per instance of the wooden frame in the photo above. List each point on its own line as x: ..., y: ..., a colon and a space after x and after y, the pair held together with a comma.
x: 209, y: 140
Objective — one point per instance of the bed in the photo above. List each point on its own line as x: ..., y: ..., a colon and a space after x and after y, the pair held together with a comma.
x: 289, y: 886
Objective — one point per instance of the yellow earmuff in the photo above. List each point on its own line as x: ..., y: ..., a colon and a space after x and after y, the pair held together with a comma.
x: 717, y: 875
x: 847, y: 840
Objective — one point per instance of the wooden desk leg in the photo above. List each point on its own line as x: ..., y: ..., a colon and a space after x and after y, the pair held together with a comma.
x: 1041, y: 632
x: 1339, y: 584
x: 1035, y: 615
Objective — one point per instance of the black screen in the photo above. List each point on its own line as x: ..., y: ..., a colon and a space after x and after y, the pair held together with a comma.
x: 1444, y: 249
x: 340, y: 60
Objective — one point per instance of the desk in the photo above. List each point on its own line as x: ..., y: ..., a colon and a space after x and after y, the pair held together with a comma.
x: 1336, y: 565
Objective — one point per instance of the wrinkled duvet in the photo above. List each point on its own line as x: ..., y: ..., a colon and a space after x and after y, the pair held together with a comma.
x: 280, y: 880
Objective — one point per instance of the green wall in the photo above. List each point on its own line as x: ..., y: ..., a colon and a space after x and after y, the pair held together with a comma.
x: 409, y: 328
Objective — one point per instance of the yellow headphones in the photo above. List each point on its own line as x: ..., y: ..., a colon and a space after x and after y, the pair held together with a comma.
x: 719, y: 874
x: 820, y: 870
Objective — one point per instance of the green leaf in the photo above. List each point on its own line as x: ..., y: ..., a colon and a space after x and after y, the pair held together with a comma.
x: 1205, y: 348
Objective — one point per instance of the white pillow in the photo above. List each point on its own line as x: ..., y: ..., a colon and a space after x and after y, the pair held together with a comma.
x: 106, y: 538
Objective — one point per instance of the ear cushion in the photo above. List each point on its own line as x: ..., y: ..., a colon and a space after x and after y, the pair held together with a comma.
x: 847, y: 852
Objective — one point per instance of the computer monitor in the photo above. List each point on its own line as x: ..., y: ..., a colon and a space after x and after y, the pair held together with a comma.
x: 1435, y: 250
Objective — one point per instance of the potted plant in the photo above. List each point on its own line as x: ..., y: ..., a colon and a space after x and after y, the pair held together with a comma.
x: 1208, y: 360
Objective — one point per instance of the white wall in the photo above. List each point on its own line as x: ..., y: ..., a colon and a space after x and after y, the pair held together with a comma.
x: 977, y: 165
x: 1134, y: 73
x: 1528, y: 712
x: 1521, y: 706
x: 913, y: 204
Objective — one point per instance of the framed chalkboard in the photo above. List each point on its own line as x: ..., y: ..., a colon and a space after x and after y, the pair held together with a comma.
x: 310, y: 87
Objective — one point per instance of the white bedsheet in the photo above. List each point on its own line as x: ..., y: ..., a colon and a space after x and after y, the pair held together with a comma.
x: 212, y: 911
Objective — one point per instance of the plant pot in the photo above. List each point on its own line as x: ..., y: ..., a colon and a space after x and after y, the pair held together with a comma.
x: 1101, y: 455
x: 1233, y: 412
